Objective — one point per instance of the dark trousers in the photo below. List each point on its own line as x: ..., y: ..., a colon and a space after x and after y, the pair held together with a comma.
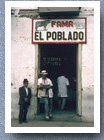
x: 23, y: 112
x: 62, y: 102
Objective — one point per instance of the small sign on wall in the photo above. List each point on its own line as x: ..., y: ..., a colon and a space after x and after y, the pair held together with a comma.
x: 51, y: 61
x: 59, y: 30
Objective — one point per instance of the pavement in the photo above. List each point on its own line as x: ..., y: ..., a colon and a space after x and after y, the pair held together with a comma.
x: 60, y: 119
x: 33, y: 123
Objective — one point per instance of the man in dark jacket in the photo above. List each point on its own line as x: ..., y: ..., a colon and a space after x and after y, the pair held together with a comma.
x: 24, y: 101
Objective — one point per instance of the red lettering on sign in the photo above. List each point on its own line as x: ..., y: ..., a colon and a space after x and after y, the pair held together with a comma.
x: 62, y: 23
x: 53, y: 23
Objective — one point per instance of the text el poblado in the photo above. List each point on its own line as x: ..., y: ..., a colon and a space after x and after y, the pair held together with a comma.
x: 59, y: 35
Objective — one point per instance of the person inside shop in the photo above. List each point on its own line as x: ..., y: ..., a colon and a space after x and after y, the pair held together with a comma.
x: 45, y: 91
x: 63, y: 84
x: 24, y: 101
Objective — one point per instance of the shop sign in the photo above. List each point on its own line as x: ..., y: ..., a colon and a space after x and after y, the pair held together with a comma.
x: 59, y: 30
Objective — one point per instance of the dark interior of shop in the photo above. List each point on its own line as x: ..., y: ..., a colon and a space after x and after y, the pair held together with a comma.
x: 58, y: 59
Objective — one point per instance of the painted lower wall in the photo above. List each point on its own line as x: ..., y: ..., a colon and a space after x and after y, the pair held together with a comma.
x: 88, y: 104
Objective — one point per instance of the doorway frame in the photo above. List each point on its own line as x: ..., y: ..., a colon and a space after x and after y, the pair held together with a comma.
x: 78, y: 78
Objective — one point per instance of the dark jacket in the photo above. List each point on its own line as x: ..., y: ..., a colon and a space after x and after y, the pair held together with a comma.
x: 22, y: 94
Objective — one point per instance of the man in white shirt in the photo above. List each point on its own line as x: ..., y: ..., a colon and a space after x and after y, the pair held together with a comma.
x: 45, y: 92
x: 63, y: 83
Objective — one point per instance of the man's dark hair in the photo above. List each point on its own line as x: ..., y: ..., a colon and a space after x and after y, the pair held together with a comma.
x: 25, y: 81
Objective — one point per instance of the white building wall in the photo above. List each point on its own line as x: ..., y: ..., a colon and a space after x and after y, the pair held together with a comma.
x: 88, y: 68
x: 22, y: 61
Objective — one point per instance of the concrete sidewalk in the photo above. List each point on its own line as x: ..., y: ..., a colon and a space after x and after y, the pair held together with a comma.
x: 50, y: 123
x: 60, y: 118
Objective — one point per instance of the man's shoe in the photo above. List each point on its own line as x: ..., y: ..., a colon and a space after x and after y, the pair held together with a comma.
x: 47, y: 117
x: 50, y: 115
x: 25, y: 121
x: 20, y: 122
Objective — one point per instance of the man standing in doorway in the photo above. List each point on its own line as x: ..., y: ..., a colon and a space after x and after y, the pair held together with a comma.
x: 45, y: 91
x: 63, y: 83
x: 24, y: 101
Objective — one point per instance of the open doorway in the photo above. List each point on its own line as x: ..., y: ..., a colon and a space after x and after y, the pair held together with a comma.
x: 56, y: 58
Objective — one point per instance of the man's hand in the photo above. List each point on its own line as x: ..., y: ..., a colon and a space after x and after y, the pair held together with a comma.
x: 40, y: 86
x: 26, y: 99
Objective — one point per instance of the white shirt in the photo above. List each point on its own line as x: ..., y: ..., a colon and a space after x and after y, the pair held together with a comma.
x: 26, y: 91
x: 46, y: 81
x: 63, y: 82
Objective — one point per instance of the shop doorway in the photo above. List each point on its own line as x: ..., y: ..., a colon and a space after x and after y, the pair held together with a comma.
x: 58, y: 58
